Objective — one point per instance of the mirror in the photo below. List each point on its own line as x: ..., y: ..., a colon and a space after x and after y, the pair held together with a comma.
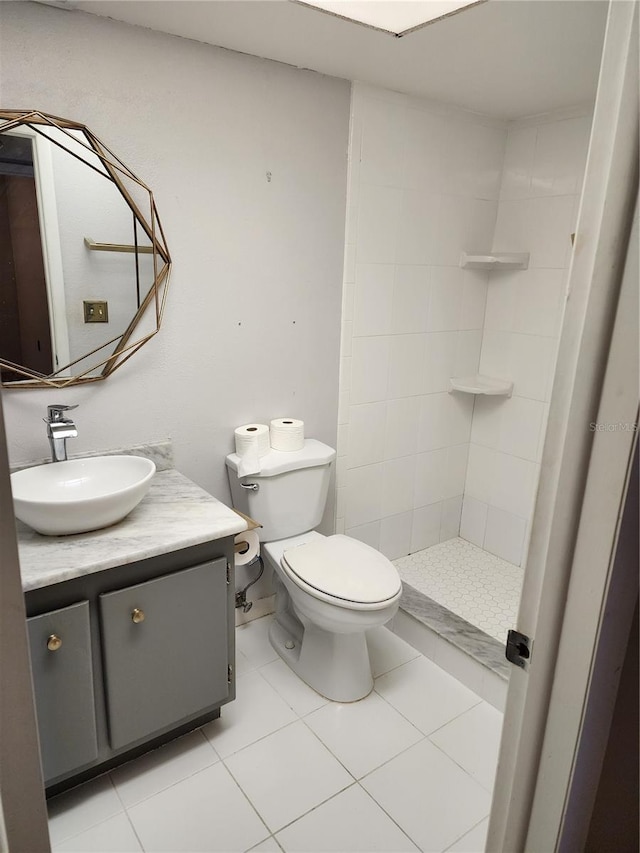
x: 84, y: 266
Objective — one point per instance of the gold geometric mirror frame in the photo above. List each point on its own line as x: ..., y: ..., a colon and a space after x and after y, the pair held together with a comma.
x: 141, y: 265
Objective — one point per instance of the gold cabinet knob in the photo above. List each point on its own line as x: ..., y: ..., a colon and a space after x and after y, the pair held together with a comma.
x: 53, y: 643
x: 137, y: 615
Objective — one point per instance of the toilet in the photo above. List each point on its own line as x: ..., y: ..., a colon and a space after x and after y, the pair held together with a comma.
x: 330, y: 590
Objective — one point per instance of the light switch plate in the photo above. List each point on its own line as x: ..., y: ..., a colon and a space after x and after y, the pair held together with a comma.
x: 96, y: 312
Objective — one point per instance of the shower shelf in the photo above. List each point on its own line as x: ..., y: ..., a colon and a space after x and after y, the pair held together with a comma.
x: 479, y: 384
x: 495, y: 261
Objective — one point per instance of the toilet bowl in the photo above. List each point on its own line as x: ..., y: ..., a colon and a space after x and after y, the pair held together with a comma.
x: 329, y: 589
x: 329, y: 592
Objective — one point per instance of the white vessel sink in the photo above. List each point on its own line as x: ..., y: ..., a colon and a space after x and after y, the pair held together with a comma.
x: 81, y: 494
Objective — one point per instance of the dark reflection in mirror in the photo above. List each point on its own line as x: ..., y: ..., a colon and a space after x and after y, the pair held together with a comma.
x: 24, y: 310
x: 82, y: 255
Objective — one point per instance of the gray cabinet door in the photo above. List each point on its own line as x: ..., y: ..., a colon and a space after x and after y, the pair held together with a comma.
x: 60, y: 645
x: 165, y: 652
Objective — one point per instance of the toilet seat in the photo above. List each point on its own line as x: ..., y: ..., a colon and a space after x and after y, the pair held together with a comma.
x: 343, y: 571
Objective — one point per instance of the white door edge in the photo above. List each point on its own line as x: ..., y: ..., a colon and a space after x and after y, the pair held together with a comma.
x: 605, y: 216
x: 601, y: 599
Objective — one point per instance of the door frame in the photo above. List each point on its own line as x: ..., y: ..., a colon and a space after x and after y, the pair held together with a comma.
x: 23, y: 812
x: 539, y: 733
x: 51, y: 247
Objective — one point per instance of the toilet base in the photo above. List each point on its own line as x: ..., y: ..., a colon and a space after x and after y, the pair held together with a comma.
x: 324, y: 643
x: 335, y: 665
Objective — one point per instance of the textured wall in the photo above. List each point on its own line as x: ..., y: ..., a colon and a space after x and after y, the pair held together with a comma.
x: 424, y: 183
x: 253, y: 318
x: 539, y: 197
x: 428, y: 181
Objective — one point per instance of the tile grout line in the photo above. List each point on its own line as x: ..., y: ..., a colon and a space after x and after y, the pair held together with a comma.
x: 123, y: 810
x: 404, y: 717
x: 479, y: 698
x: 451, y: 758
x: 133, y: 829
x: 397, y: 666
x: 426, y: 737
x: 356, y: 781
x: 258, y: 740
x: 457, y: 716
x: 464, y: 833
x: 302, y: 719
x: 144, y: 799
x: 281, y: 728
x: 317, y: 806
x: 124, y: 813
x: 382, y: 809
x: 248, y: 799
x: 284, y: 698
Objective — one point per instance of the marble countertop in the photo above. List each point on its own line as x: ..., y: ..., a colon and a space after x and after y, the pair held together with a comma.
x: 174, y: 514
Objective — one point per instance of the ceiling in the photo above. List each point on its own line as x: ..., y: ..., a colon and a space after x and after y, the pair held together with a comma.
x: 504, y: 58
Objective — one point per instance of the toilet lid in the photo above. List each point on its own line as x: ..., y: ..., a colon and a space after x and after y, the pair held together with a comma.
x: 344, y: 568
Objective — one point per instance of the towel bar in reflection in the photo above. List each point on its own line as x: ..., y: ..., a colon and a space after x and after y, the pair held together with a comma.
x: 115, y: 247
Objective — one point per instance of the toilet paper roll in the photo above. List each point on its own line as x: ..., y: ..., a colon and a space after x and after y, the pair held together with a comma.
x: 247, y: 547
x: 286, y: 434
x: 252, y: 443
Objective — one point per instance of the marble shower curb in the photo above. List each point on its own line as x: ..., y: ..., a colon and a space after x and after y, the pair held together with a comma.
x: 484, y: 649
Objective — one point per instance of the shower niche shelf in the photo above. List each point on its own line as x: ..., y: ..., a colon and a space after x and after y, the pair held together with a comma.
x: 495, y: 261
x: 479, y: 384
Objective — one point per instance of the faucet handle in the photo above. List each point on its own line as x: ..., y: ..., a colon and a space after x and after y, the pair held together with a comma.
x: 54, y: 413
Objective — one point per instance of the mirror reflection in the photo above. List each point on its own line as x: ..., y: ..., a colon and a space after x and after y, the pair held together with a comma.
x: 81, y: 255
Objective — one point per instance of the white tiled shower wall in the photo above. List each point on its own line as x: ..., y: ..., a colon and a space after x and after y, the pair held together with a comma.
x: 424, y: 185
x: 539, y: 196
x: 428, y: 181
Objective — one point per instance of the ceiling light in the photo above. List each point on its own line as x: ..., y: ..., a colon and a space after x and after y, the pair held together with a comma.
x: 397, y: 17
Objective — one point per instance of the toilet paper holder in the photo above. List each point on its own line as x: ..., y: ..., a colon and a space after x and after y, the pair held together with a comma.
x: 252, y: 524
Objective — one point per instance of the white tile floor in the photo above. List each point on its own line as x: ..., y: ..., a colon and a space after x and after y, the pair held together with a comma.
x: 480, y: 587
x: 410, y: 767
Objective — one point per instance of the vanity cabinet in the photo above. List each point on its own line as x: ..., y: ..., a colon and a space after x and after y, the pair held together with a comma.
x: 61, y: 663
x: 164, y: 650
x: 127, y: 658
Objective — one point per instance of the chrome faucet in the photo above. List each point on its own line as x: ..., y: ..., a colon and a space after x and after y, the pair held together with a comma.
x: 59, y: 429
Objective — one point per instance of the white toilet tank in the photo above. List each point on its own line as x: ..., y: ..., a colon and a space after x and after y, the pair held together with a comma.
x: 292, y: 489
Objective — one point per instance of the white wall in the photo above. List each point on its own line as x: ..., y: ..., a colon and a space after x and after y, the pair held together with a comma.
x: 252, y: 325
x: 426, y: 182
x: 423, y: 187
x: 89, y: 205
x: 539, y: 195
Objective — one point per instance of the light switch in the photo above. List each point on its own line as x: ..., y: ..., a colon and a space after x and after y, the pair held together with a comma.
x: 96, y: 312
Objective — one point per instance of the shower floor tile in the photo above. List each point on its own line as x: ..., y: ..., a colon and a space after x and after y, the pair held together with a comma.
x: 481, y: 588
